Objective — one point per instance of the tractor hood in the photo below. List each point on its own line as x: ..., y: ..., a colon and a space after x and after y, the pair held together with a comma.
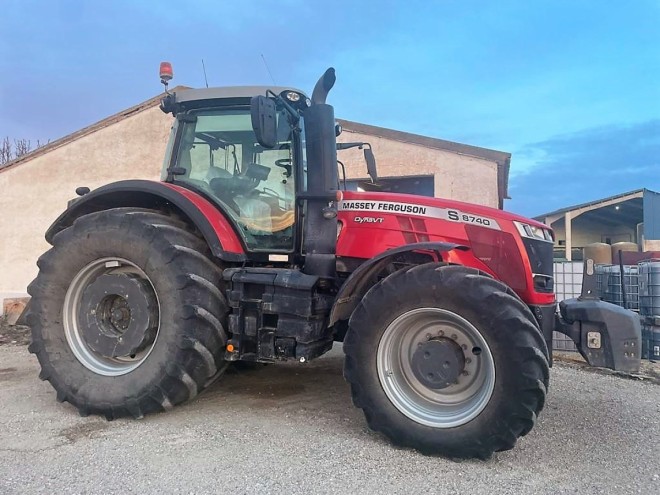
x: 377, y: 202
x: 511, y: 248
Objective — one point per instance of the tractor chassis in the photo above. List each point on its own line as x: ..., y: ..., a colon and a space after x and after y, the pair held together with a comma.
x: 276, y: 314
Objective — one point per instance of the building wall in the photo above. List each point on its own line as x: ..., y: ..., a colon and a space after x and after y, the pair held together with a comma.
x: 651, y: 204
x: 459, y: 177
x: 36, y: 191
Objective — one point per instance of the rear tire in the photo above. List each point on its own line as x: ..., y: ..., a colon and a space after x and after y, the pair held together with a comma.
x: 182, y: 351
x: 461, y: 312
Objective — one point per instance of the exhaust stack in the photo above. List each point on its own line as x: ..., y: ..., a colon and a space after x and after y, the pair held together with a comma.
x: 320, y: 230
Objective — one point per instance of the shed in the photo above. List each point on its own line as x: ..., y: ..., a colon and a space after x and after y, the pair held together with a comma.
x: 627, y: 217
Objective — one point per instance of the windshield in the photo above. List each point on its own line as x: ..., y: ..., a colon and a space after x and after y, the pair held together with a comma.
x: 220, y: 155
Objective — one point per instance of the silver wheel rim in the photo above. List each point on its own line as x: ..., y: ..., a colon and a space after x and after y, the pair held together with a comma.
x: 92, y: 360
x: 449, y: 407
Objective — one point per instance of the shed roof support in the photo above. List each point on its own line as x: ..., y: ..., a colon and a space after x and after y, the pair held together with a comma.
x: 568, y: 217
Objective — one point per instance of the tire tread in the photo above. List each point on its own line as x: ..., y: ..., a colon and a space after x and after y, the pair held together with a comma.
x: 198, y: 359
x: 517, y: 328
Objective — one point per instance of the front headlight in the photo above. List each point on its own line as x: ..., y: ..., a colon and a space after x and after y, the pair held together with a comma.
x: 534, y: 232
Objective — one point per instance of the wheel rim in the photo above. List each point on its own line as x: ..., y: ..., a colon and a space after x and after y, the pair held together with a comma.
x: 454, y: 404
x: 124, y: 311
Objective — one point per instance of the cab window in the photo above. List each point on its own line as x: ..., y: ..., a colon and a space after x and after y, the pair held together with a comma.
x: 221, y: 157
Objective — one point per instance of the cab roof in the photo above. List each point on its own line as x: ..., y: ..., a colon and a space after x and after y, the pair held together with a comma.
x: 187, y: 95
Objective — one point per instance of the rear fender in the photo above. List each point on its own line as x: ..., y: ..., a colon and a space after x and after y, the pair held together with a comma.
x: 207, y: 218
x: 365, y: 276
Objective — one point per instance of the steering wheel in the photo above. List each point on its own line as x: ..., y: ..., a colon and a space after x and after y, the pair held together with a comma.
x: 286, y: 164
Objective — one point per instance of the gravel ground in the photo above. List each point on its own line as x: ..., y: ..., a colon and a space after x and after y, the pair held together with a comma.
x: 292, y: 428
x: 13, y: 334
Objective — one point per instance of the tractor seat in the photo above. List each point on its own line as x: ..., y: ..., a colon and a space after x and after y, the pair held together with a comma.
x: 270, y: 224
x: 261, y: 217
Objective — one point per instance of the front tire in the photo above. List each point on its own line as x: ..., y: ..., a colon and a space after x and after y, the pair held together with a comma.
x: 446, y: 360
x: 127, y: 314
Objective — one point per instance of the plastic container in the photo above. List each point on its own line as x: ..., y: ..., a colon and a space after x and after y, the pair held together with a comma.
x: 610, y: 289
x: 622, y: 246
x: 646, y: 338
x: 600, y: 277
x: 603, y: 280
x: 600, y: 252
x: 649, y: 288
x: 654, y: 343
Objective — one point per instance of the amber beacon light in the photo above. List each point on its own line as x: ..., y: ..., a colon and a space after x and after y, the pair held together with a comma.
x: 166, y: 72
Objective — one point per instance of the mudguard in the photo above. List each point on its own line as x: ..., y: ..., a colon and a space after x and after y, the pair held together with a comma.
x: 359, y: 282
x: 606, y: 335
x: 209, y: 220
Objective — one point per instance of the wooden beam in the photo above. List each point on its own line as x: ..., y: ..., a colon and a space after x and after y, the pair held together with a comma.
x: 552, y: 219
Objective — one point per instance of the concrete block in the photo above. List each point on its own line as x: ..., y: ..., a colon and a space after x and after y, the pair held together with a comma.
x: 13, y: 307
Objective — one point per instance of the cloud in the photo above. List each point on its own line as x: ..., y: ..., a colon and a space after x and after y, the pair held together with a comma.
x: 585, y: 166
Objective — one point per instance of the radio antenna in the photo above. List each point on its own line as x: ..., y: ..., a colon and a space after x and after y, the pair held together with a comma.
x: 204, y: 69
x: 268, y: 69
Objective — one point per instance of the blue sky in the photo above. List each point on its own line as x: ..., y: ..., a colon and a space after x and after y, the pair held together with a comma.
x: 570, y: 88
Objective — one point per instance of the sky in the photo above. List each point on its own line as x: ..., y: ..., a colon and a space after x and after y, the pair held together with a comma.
x: 570, y: 88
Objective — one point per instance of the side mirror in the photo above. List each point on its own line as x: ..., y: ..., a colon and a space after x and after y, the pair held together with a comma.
x: 264, y: 121
x: 371, y: 164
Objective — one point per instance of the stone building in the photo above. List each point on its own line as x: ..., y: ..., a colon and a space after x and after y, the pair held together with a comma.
x: 131, y: 144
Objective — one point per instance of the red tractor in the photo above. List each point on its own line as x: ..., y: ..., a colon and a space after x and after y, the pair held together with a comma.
x: 249, y: 250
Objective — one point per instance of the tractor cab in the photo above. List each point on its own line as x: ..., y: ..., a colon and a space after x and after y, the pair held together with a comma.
x: 214, y: 151
x: 264, y: 157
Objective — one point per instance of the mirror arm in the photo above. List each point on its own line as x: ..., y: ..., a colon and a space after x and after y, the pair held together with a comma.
x: 345, y: 146
x: 343, y: 173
